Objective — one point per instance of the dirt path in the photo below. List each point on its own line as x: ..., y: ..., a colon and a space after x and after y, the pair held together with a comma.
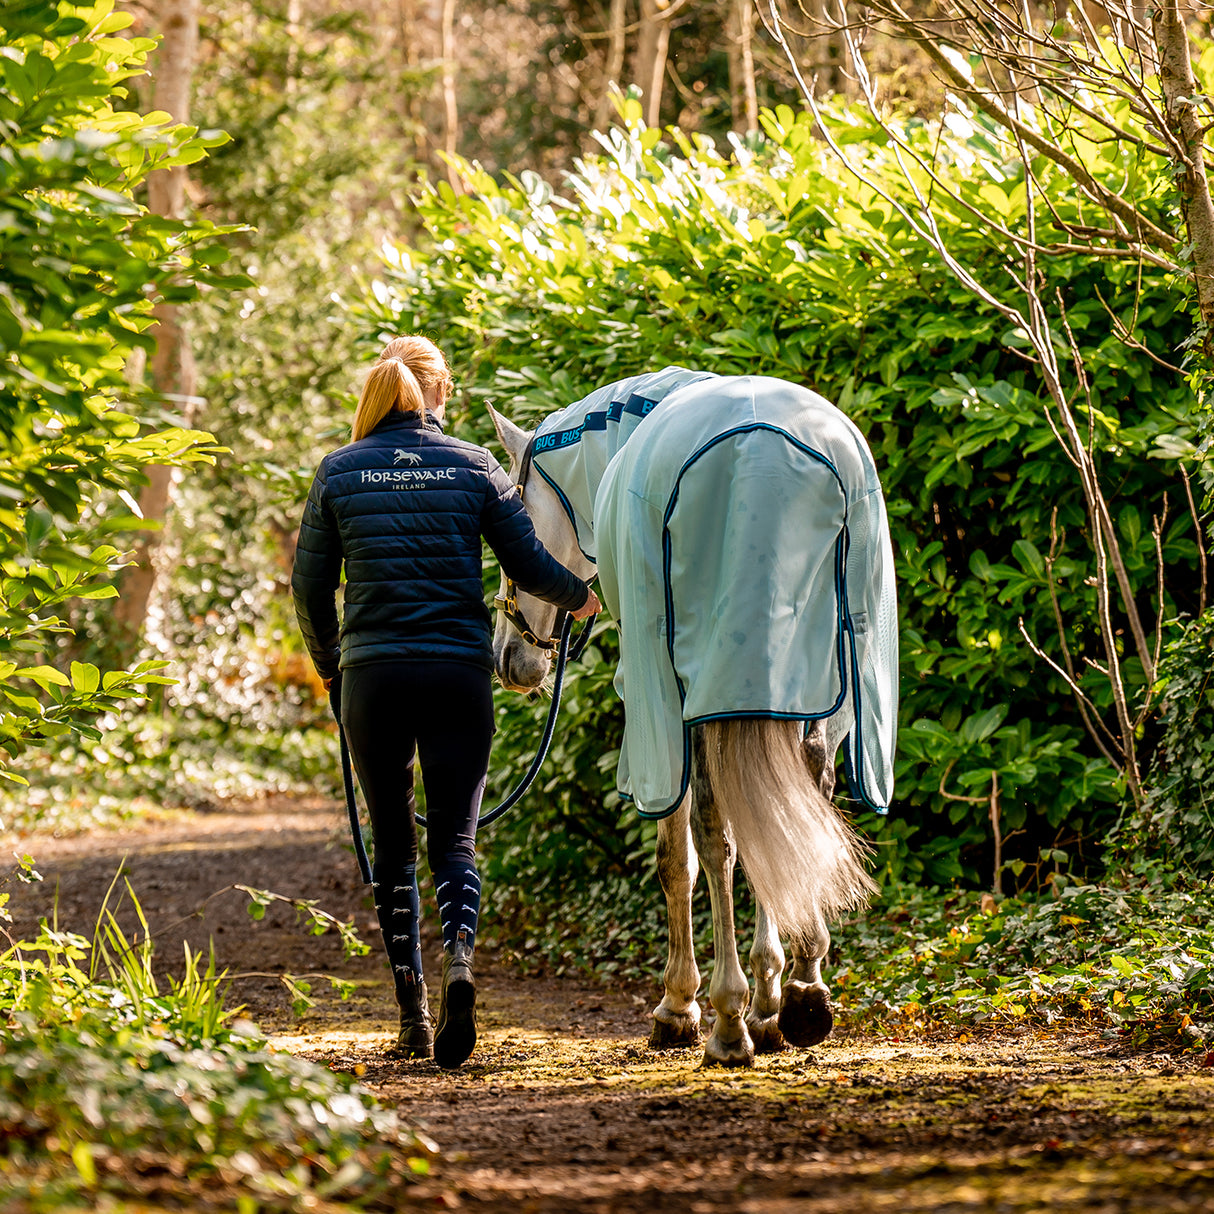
x: 562, y: 1107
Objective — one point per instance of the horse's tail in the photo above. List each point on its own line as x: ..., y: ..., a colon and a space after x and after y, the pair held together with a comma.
x: 804, y: 861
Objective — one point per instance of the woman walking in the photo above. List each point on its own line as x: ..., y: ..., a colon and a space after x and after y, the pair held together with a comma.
x: 405, y: 507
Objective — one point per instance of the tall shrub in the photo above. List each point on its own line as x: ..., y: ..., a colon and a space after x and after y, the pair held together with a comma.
x: 1175, y: 827
x: 768, y: 262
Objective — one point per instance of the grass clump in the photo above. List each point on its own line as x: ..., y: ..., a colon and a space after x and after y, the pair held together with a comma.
x: 112, y: 1084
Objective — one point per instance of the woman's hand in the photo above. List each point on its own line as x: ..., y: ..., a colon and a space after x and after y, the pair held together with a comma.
x: 591, y: 606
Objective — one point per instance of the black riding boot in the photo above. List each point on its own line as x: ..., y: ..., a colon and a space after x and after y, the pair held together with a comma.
x: 399, y: 911
x: 416, y: 1038
x: 455, y: 1037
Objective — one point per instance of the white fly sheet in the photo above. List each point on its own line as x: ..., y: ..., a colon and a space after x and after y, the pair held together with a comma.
x: 742, y: 544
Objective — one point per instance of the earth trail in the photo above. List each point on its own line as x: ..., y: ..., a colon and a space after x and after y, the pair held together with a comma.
x: 563, y: 1107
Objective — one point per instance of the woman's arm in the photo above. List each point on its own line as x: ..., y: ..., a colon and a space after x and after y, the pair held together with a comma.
x: 315, y: 578
x: 508, y: 531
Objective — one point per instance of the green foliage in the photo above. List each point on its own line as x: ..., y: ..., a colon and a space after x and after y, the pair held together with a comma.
x: 47, y: 978
x: 572, y: 820
x: 277, y: 370
x: 1175, y: 829
x: 1138, y: 964
x: 106, y: 1078
x: 317, y: 921
x: 771, y: 261
x: 192, y: 757
x: 551, y: 909
x: 82, y: 1106
x: 84, y: 264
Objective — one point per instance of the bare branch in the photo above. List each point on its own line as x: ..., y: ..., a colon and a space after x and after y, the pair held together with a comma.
x: 1201, y: 547
x: 1116, y: 206
x: 1157, y: 525
x: 663, y: 14
x: 1087, y: 710
x: 954, y: 796
x: 1104, y: 520
x: 1080, y: 695
x: 1125, y: 333
x: 1129, y: 226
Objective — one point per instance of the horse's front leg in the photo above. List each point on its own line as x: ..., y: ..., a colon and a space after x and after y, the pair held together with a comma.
x: 730, y: 1043
x: 676, y: 1020
x: 767, y: 964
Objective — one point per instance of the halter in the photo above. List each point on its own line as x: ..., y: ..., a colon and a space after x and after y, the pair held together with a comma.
x: 507, y: 603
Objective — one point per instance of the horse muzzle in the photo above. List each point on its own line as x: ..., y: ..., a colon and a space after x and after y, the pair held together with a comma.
x: 520, y: 667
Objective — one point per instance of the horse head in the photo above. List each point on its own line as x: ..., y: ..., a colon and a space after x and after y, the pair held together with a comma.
x: 522, y: 666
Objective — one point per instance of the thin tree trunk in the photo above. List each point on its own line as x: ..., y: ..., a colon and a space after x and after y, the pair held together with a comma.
x: 743, y: 97
x: 613, y: 69
x: 997, y: 835
x: 1179, y: 89
x: 419, y: 39
x: 651, y: 57
x: 450, y: 109
x: 410, y: 56
x: 174, y: 375
x: 172, y: 76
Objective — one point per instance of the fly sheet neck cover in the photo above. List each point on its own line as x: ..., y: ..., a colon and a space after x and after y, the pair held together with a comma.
x: 574, y: 446
x: 743, y: 547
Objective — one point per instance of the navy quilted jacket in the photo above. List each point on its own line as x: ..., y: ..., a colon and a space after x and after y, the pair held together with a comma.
x: 405, y: 508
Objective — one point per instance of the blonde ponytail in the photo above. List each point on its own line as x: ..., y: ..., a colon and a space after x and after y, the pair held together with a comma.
x: 408, y: 367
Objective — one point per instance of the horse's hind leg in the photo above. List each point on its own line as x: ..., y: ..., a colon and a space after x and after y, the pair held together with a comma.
x: 730, y: 1043
x: 805, y: 1012
x: 819, y: 758
x: 767, y: 964
x: 676, y: 1020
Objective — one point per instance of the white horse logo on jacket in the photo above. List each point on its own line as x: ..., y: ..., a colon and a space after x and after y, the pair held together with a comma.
x: 405, y: 457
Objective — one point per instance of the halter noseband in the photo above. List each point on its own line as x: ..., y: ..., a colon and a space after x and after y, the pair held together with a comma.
x: 507, y: 603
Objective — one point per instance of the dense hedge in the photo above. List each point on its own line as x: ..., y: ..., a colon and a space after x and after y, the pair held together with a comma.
x: 772, y: 261
x: 1175, y: 828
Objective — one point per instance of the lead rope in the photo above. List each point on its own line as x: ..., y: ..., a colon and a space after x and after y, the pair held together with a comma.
x: 356, y: 830
x: 565, y: 654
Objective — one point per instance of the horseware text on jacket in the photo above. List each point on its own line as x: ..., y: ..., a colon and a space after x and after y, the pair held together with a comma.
x: 406, y: 508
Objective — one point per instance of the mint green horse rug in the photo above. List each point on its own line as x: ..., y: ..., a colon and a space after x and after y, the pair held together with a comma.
x: 742, y: 544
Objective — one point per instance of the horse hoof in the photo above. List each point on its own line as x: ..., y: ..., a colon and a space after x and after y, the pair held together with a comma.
x: 766, y: 1035
x: 805, y: 1016
x: 675, y: 1030
x: 730, y: 1053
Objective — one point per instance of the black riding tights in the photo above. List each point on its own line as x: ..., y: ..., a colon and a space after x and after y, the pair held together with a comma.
x: 441, y: 714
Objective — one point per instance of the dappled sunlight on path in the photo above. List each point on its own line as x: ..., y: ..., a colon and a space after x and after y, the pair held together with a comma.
x: 563, y: 1106
x: 547, y: 1121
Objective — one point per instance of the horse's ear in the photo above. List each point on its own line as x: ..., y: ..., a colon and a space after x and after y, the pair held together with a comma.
x: 511, y: 437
